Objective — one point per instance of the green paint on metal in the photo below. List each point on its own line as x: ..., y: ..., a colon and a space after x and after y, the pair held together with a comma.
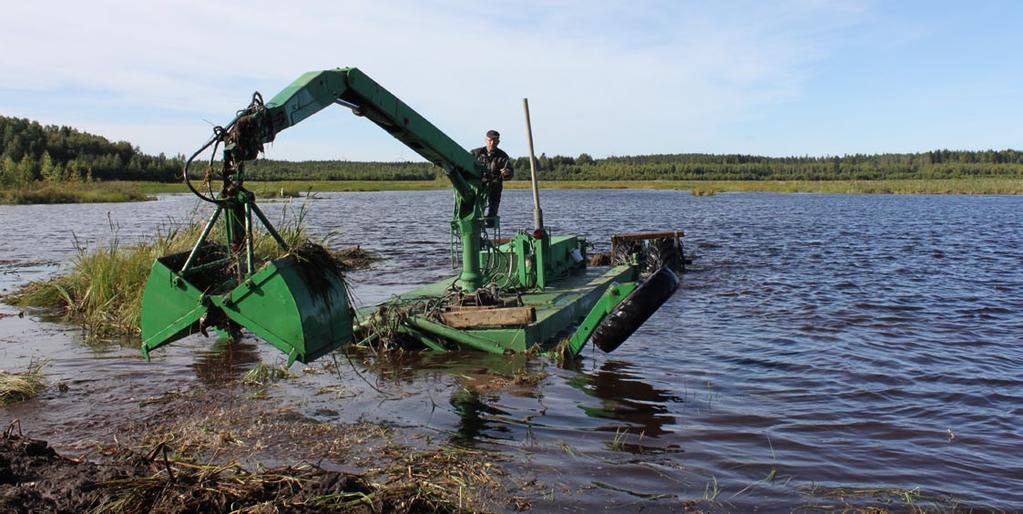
x: 607, y: 302
x: 316, y: 90
x: 558, y: 309
x: 423, y: 338
x: 276, y: 303
x: 279, y: 305
x: 170, y: 308
x: 525, y: 262
x: 463, y: 337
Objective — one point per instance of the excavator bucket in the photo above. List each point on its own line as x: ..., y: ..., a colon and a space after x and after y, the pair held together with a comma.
x: 298, y: 303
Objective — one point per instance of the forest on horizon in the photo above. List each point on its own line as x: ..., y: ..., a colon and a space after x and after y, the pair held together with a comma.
x: 32, y: 152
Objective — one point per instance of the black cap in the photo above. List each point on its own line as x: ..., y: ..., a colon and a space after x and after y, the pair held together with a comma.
x: 493, y: 134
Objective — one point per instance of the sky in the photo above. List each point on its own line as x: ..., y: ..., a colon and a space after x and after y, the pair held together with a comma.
x: 794, y: 77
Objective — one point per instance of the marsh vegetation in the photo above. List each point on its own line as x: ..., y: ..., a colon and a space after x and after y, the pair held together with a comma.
x: 102, y: 289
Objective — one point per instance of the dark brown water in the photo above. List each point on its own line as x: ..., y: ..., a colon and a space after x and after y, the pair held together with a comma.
x: 819, y: 342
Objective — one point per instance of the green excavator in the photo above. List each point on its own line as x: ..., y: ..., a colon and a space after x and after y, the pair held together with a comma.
x: 532, y: 291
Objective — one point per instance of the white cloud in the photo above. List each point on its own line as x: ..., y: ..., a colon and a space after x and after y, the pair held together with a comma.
x: 601, y: 78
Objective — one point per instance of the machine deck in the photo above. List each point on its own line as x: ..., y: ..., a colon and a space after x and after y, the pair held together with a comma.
x: 558, y: 308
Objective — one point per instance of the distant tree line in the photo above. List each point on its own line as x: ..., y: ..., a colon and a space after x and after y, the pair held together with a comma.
x: 267, y: 169
x: 33, y: 152
x: 935, y: 164
x: 924, y: 165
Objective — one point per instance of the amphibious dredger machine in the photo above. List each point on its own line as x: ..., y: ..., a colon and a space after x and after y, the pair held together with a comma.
x: 532, y: 291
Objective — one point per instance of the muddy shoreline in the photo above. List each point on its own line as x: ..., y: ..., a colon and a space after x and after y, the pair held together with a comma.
x: 217, y: 451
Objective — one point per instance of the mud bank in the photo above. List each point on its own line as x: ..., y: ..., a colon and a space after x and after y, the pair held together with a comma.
x: 207, y: 452
x: 35, y: 478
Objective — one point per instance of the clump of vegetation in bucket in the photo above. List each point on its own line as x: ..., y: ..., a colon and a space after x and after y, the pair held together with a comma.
x: 18, y: 387
x: 102, y: 289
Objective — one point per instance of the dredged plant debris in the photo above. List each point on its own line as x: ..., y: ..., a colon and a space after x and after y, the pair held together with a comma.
x: 264, y: 374
x: 35, y: 478
x: 406, y: 472
x: 205, y: 451
x: 355, y: 258
x: 318, y: 266
x: 20, y: 386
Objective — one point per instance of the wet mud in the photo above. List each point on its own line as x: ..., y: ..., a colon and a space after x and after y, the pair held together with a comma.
x: 34, y: 478
x: 206, y: 451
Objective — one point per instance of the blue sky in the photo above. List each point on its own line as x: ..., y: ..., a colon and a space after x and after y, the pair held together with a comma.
x: 799, y: 77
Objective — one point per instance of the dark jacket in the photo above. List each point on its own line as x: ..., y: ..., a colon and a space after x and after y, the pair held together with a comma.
x: 494, y: 163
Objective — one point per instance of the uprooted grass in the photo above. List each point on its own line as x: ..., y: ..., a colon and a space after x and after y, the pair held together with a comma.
x: 265, y: 374
x: 102, y: 289
x: 37, y: 479
x: 221, y: 427
x: 438, y: 481
x: 880, y: 499
x: 17, y: 387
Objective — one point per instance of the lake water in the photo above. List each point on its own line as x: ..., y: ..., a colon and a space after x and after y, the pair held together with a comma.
x: 823, y: 350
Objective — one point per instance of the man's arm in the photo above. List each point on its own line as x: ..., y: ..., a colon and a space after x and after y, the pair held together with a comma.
x: 507, y: 172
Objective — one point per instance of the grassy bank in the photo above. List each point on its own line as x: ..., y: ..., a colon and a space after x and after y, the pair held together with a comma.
x: 73, y: 192
x: 46, y: 193
x: 274, y: 188
x: 102, y: 289
x: 702, y: 187
x: 983, y: 185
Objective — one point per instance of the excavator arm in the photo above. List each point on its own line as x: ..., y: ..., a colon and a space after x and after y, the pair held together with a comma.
x: 349, y: 87
x: 314, y: 91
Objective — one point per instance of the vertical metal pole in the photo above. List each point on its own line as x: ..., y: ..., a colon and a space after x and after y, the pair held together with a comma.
x: 270, y: 228
x: 202, y: 239
x: 249, y: 254
x: 537, y: 212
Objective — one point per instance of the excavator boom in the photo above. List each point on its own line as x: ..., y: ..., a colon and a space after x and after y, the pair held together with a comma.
x: 349, y: 87
x: 317, y: 90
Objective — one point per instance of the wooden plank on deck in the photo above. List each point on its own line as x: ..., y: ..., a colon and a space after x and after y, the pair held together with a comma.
x: 497, y: 317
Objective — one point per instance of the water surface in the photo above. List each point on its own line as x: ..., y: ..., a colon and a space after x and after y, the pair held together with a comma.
x: 818, y: 342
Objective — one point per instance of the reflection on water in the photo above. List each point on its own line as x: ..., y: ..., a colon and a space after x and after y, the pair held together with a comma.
x: 476, y: 416
x: 625, y: 397
x: 226, y: 360
x: 830, y: 341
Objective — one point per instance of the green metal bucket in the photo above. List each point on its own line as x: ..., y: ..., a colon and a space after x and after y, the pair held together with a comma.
x: 298, y: 305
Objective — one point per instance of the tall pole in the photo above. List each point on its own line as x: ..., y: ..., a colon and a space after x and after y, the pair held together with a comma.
x: 537, y: 212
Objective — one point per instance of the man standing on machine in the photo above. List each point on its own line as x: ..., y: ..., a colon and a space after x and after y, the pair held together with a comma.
x: 497, y: 168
